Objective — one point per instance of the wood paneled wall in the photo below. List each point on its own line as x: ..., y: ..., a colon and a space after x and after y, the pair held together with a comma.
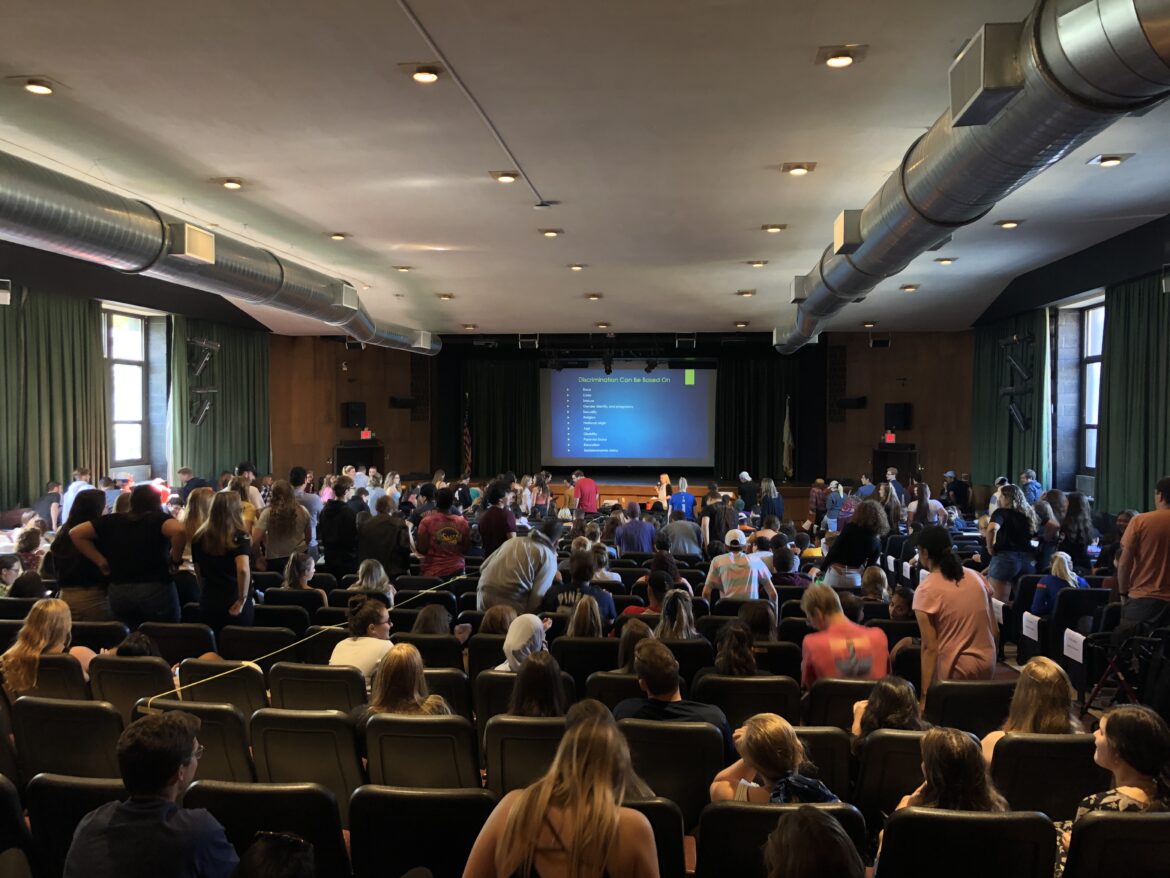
x: 308, y: 386
x: 933, y: 372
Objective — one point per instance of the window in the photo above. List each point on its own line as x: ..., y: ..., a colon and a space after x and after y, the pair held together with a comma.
x: 1093, y: 334
x: 125, y: 347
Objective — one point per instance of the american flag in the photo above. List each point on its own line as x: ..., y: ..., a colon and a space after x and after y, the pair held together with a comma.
x: 467, y: 435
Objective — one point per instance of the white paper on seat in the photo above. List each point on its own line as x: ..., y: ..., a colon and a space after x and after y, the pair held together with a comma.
x: 1074, y: 645
x: 997, y: 605
x: 1031, y: 627
x: 906, y: 570
x: 890, y: 563
x: 922, y: 574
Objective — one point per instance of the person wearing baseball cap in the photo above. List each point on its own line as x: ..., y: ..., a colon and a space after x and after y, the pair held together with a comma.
x: 736, y: 574
x: 749, y: 493
x: 958, y: 492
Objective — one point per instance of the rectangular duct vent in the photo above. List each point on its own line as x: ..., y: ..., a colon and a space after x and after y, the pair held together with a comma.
x: 192, y: 244
x: 847, y: 232
x: 986, y: 74
x: 345, y: 295
x: 800, y: 285
x: 422, y: 340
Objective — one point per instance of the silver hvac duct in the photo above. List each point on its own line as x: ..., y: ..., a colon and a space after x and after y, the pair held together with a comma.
x: 1071, y: 70
x: 51, y: 211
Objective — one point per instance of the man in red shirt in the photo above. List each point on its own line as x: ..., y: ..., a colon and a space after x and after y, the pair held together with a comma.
x: 442, y: 538
x: 839, y: 648
x: 585, y: 492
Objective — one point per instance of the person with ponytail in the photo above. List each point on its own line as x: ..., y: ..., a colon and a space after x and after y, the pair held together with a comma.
x: 678, y: 617
x: 955, y: 616
x: 1063, y: 576
x: 571, y: 821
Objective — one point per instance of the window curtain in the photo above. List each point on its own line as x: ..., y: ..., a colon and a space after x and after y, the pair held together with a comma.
x: 237, y: 427
x: 1134, y: 447
x: 54, y: 393
x: 998, y: 446
x: 503, y: 415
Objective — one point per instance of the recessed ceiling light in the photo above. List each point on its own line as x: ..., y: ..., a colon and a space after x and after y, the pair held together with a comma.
x: 1109, y: 160
x: 747, y: 294
x: 773, y: 228
x: 602, y: 325
x: 233, y: 183
x: 445, y: 297
x: 425, y: 74
x: 946, y: 260
x: 365, y: 286
x: 758, y: 263
x: 338, y: 236
x: 403, y: 267
x: 798, y: 169
x: 551, y: 233
x: 577, y: 266
x: 1009, y: 224
x: 910, y: 288
x: 740, y: 324
x: 593, y: 297
x: 869, y: 324
x: 471, y: 326
x: 38, y: 87
x: 506, y: 176
x: 839, y: 60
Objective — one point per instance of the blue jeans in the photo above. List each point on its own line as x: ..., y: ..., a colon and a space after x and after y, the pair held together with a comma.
x: 1006, y: 566
x: 137, y: 602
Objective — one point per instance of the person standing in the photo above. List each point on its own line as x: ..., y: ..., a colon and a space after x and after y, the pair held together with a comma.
x: 682, y: 501
x: 1143, y: 567
x: 443, y: 538
x: 1031, y: 486
x: 282, y: 530
x: 771, y: 503
x: 585, y: 493
x: 298, y: 477
x: 49, y: 506
x: 749, y: 492
x: 221, y: 551
x: 497, y: 524
x: 867, y: 487
x: 1009, y: 540
x: 247, y: 472
x: 337, y: 531
x: 896, y: 486
x: 521, y: 571
x: 736, y: 574
x: 839, y: 648
x: 637, y: 534
x: 81, y: 482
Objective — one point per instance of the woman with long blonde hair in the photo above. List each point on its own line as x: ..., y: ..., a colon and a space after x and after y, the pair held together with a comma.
x: 1041, y: 705
x: 570, y: 822
x: 768, y: 770
x: 371, y: 576
x: 194, y: 514
x: 1009, y: 540
x: 46, y: 631
x: 678, y: 617
x: 222, y: 553
x: 400, y: 686
x: 1062, y: 575
x: 586, y: 618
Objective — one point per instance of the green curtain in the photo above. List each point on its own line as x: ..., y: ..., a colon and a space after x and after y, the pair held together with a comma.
x: 749, y: 417
x: 998, y: 447
x: 236, y: 428
x: 1133, y: 450
x: 504, y: 415
x: 54, y: 396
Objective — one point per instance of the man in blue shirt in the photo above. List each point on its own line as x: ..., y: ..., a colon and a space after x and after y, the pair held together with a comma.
x: 150, y: 834
x: 895, y: 485
x: 1032, y: 488
x: 637, y: 534
x: 867, y: 487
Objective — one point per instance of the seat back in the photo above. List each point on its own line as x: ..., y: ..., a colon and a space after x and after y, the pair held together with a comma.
x: 828, y: 749
x: 611, y: 687
x: 416, y: 600
x: 581, y: 656
x: 732, y: 835
x: 327, y: 582
x: 179, y: 640
x: 294, y: 618
x: 60, y: 676
x: 243, y: 688
x: 1106, y: 843
x: 262, y: 646
x: 318, y: 646
x: 295, y: 686
x: 894, y: 630
x: 778, y: 657
x: 122, y: 680
x: 666, y: 821
x: 793, y: 630
x: 519, y: 750
x: 434, y: 829
x: 1013, y: 614
x: 317, y: 746
x: 691, y: 655
x: 49, y: 732
x: 417, y: 583
x: 1071, y: 605
x: 267, y: 580
x: 677, y: 760
x: 493, y: 689
x: 56, y: 804
x: 1015, y: 844
x: 891, y: 767
x: 907, y: 664
x: 98, y: 635
x: 9, y: 629
x: 308, y: 599
x: 452, y: 685
x: 1047, y: 773
x: 16, y: 608
x: 711, y: 626
x: 18, y: 854
x: 432, y: 752
x: 305, y: 809
x: 437, y: 650
x: 830, y: 702
x: 743, y: 697
x: 976, y: 706
x: 223, y: 732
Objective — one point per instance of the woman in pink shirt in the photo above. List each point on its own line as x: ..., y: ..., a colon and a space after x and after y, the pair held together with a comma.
x: 955, y: 616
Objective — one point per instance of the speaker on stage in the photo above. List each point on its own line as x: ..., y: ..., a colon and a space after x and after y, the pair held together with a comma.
x: 353, y: 414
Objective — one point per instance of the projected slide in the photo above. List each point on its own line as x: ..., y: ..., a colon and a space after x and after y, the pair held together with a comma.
x: 630, y: 417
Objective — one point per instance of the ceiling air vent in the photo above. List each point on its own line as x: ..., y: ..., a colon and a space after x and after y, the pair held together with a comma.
x: 986, y: 74
x: 192, y: 244
x: 421, y: 341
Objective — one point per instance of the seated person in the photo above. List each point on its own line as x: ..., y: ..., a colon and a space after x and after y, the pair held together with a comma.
x: 299, y: 572
x: 633, y: 633
x: 637, y: 534
x: 902, y: 604
x: 586, y: 619
x: 369, y: 637
x: 28, y: 585
x: 602, y: 573
x: 839, y: 648
x: 736, y: 575
x: 1062, y: 576
x: 771, y: 757
x: 1042, y: 704
x: 787, y: 568
x: 578, y: 544
x: 149, y: 834
x: 678, y: 617
x: 563, y: 598
x: 665, y: 562
x: 957, y: 778
x: 760, y: 549
x: 892, y: 704
x: 400, y: 687
x: 760, y: 620
x: 875, y: 588
x: 46, y: 630
x: 497, y: 620
x: 734, y: 656
x: 657, y: 671
x: 435, y: 619
x: 658, y: 584
x: 538, y: 691
x: 525, y: 637
x: 808, y: 843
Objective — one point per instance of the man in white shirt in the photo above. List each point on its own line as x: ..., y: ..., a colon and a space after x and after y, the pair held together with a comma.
x: 81, y: 482
x: 735, y: 575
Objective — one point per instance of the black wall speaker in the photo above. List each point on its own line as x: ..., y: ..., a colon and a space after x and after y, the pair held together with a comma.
x: 852, y: 402
x: 353, y: 414
x: 403, y: 402
x: 899, y: 416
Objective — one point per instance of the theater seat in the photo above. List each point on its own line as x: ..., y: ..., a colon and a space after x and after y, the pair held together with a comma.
x: 318, y: 647
x: 678, y: 760
x: 666, y: 821
x: 223, y: 732
x: 927, y: 842
x: 519, y: 749
x: 452, y: 685
x: 891, y: 767
x: 691, y: 655
x: 60, y: 676
x: 296, y: 686
x: 581, y: 656
x: 122, y: 680
x: 263, y: 646
x: 309, y: 599
x: 778, y: 657
x: 18, y: 854
x: 416, y: 600
x: 741, y: 698
x: 732, y: 835
x: 1047, y: 773
x: 830, y: 702
x: 484, y: 652
x: 243, y: 687
x: 976, y: 706
x: 56, y: 805
x: 295, y: 619
x: 305, y: 809
x: 179, y: 640
x: 611, y: 687
x: 437, y: 650
x: 828, y: 748
x: 49, y: 734
x: 393, y: 830
x: 99, y: 635
x: 432, y: 752
x: 493, y: 689
x: 1105, y: 843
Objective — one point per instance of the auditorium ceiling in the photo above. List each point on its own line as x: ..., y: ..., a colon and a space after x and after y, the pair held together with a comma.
x: 657, y: 126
